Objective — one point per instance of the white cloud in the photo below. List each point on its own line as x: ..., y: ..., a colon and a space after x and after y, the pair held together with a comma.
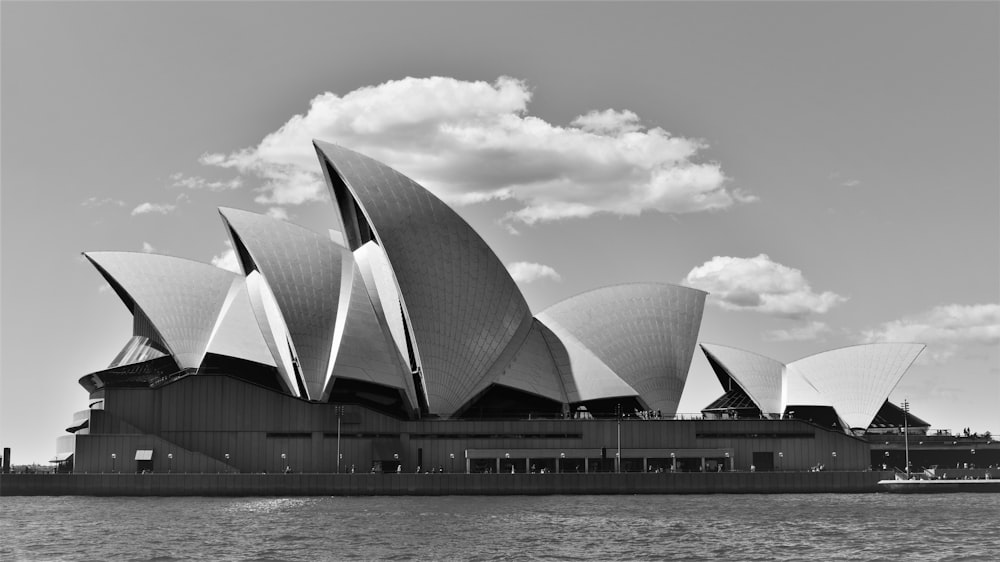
x: 946, y: 324
x: 227, y: 259
x: 161, y: 208
x: 198, y: 182
x: 810, y: 331
x: 148, y: 248
x: 279, y: 213
x: 760, y: 285
x: 527, y: 272
x: 851, y: 183
x: 474, y: 141
x: 95, y: 202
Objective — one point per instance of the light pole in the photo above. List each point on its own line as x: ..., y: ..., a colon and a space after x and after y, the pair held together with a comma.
x: 780, y: 457
x: 340, y: 412
x: 228, y: 468
x: 284, y: 461
x: 730, y: 459
x: 170, y: 462
x: 834, y: 461
x: 562, y: 457
x: 451, y: 462
x: 618, y: 456
x: 399, y: 467
x: 114, y: 461
x: 906, y: 434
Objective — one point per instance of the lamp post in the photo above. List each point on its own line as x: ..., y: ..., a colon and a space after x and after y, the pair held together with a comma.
x: 451, y: 462
x: 834, y: 461
x: 340, y: 412
x: 906, y: 434
x: 284, y: 461
x: 730, y: 463
x: 562, y: 457
x: 399, y: 467
x: 673, y: 462
x: 114, y: 461
x: 228, y: 468
x: 618, y: 456
x: 780, y: 457
x: 170, y: 462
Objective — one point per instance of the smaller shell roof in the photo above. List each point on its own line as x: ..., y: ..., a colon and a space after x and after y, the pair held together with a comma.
x: 854, y: 380
x: 182, y: 298
x: 858, y: 379
x: 759, y: 376
x: 305, y: 272
x: 643, y: 333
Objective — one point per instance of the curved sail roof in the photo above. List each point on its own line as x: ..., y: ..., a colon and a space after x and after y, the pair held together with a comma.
x: 304, y: 272
x: 464, y: 313
x: 643, y: 333
x: 857, y: 380
x: 533, y: 369
x: 182, y: 300
x: 367, y: 351
x: 760, y: 377
x: 238, y: 334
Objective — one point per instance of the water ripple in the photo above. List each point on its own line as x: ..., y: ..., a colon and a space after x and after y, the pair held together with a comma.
x: 869, y: 527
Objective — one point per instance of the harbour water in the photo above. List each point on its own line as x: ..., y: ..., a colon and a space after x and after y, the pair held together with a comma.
x: 710, y: 527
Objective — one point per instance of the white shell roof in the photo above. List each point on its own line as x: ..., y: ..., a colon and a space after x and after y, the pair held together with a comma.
x: 367, y: 351
x: 238, y: 334
x: 854, y: 380
x: 760, y: 377
x: 533, y: 370
x: 303, y: 271
x: 182, y: 299
x: 857, y: 380
x: 464, y: 310
x: 643, y: 333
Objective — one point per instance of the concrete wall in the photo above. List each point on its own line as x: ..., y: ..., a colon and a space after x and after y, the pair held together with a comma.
x: 200, y: 419
x: 435, y: 484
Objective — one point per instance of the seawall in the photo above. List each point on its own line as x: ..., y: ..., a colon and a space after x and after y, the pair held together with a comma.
x: 110, y: 484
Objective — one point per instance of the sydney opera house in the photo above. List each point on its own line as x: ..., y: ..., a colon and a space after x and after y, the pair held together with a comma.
x: 401, y: 343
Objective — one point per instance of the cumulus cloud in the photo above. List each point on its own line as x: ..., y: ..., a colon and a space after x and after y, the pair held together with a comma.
x: 946, y: 324
x: 277, y: 213
x: 198, y: 182
x: 474, y: 141
x: 806, y: 332
x: 227, y: 259
x: 762, y: 285
x: 528, y: 272
x: 148, y: 248
x: 146, y: 208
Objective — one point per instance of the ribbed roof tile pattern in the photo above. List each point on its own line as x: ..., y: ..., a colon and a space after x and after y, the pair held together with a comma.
x: 367, y: 352
x: 181, y: 298
x: 858, y: 379
x: 462, y: 306
x: 303, y: 271
x: 760, y: 377
x: 533, y: 370
x: 643, y: 332
x: 238, y: 334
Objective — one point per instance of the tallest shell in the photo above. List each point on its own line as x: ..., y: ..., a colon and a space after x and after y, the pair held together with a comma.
x: 464, y: 315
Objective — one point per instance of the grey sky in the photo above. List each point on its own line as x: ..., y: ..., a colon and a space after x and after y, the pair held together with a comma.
x: 868, y: 134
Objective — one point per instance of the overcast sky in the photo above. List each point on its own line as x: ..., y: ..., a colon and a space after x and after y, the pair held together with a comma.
x: 828, y: 171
